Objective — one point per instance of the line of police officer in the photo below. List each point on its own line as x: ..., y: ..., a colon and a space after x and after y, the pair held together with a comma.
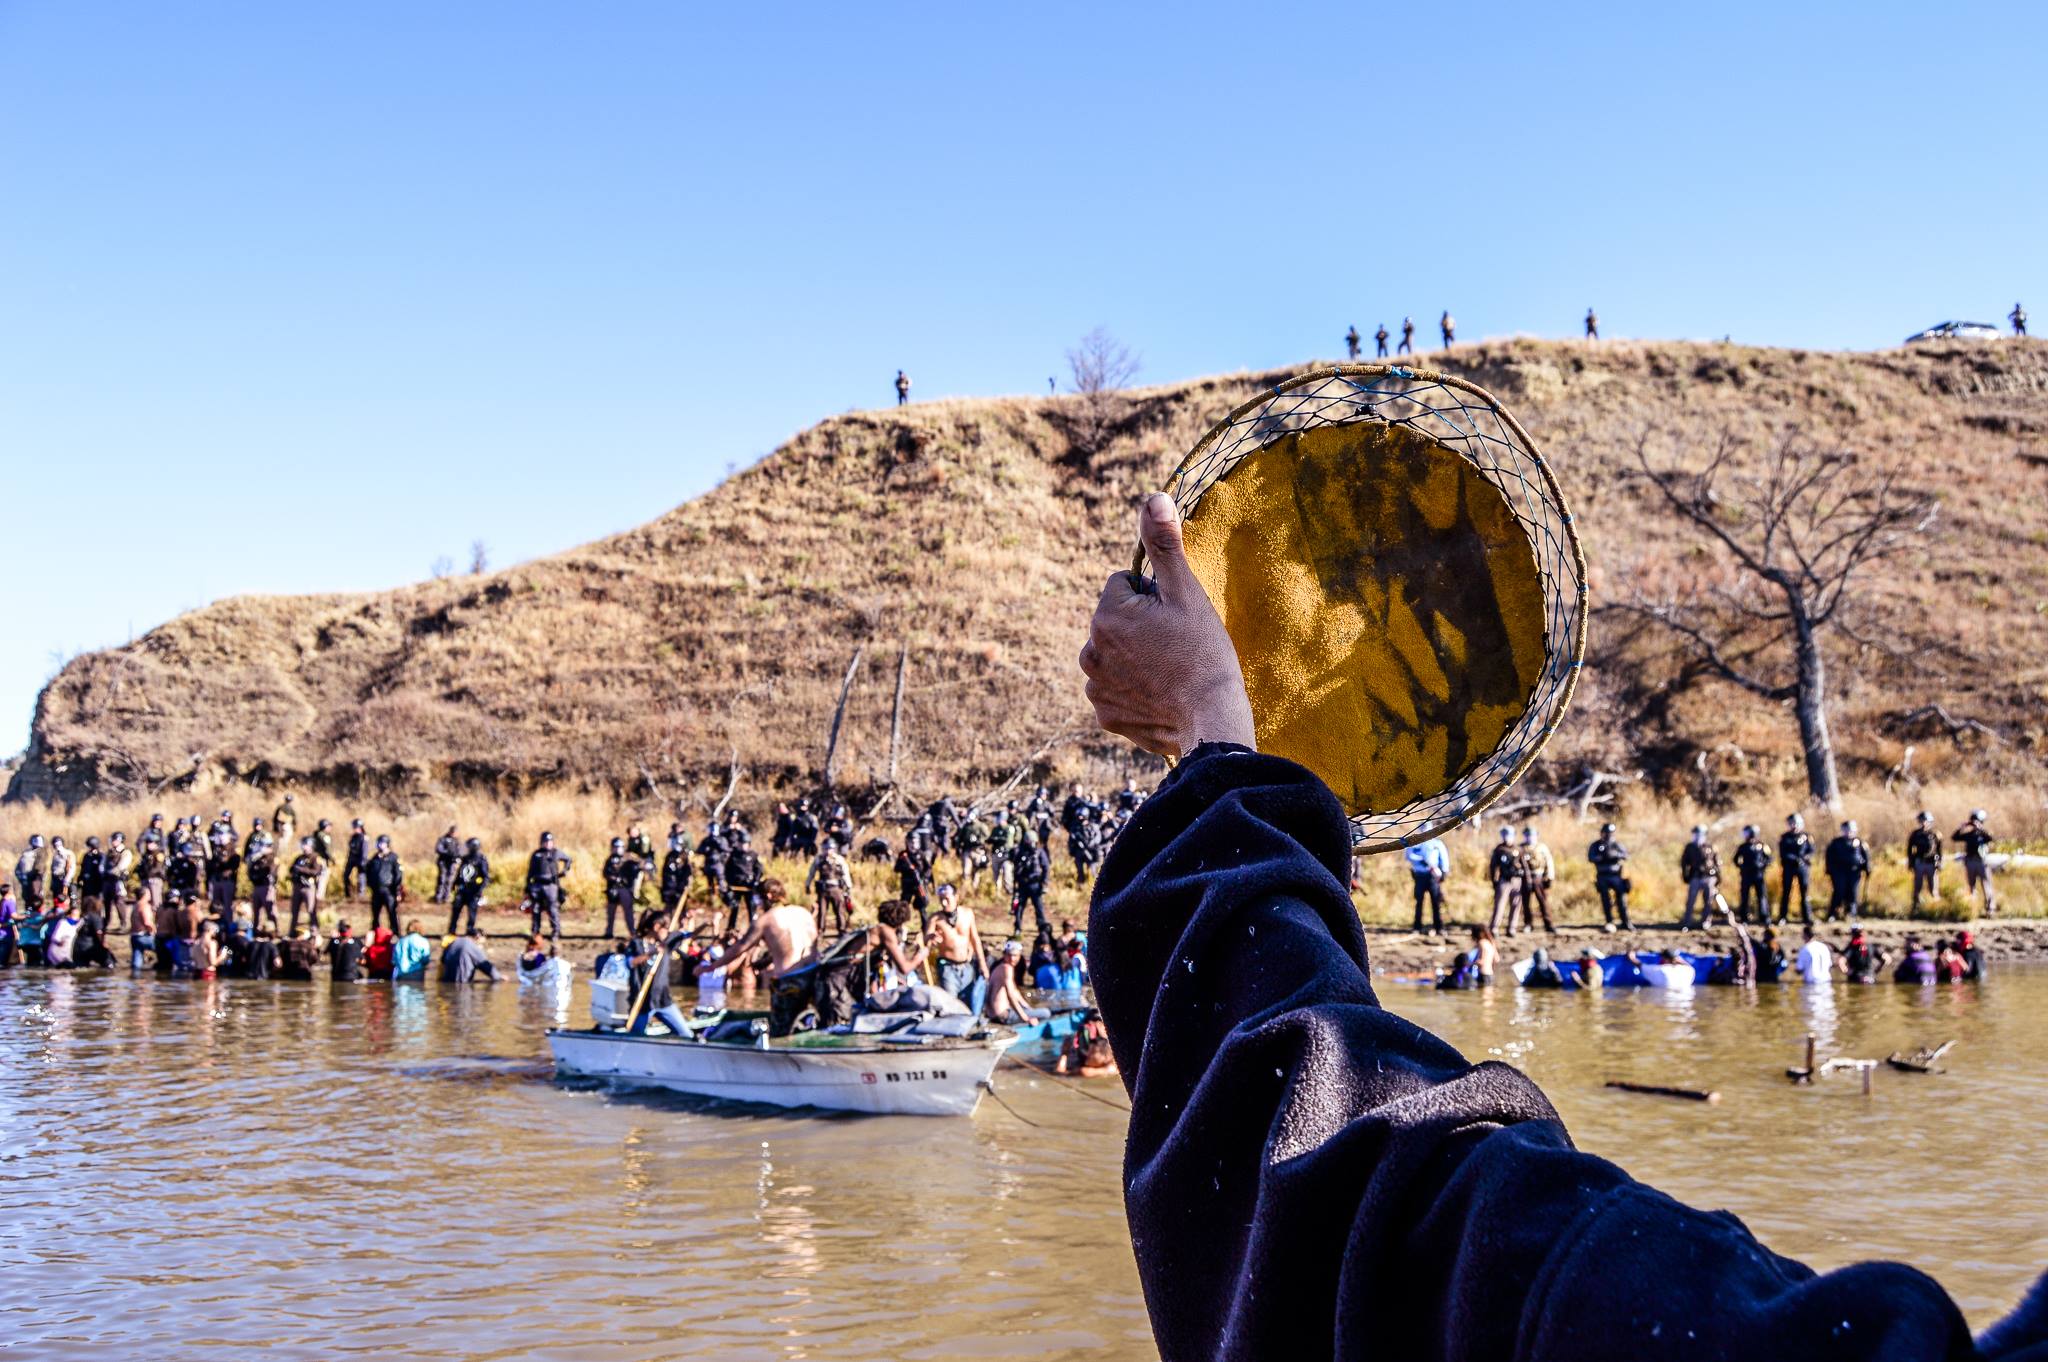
x: 1846, y: 861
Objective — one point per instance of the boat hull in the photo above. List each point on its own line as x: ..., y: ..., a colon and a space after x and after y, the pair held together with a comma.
x: 901, y: 1080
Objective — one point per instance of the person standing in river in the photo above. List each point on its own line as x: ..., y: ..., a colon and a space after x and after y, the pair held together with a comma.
x: 1307, y: 1174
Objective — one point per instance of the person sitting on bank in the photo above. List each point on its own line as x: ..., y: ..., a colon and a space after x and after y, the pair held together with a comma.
x: 1006, y: 1002
x: 463, y: 959
x: 1307, y: 1174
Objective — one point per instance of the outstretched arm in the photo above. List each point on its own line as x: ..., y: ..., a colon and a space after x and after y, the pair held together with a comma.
x: 1308, y: 1174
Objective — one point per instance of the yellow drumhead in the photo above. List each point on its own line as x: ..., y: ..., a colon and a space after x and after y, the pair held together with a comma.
x: 1385, y: 605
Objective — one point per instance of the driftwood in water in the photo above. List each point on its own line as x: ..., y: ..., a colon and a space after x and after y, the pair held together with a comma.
x: 1653, y: 1090
x: 1862, y: 1066
x: 1806, y: 1074
x: 1921, y: 1061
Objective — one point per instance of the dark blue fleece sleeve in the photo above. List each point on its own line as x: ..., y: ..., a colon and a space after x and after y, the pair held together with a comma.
x: 1308, y: 1175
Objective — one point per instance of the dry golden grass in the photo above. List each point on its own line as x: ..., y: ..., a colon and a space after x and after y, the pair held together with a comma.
x: 975, y: 533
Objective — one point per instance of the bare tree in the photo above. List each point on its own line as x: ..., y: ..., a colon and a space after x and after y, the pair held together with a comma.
x: 1100, y: 365
x: 442, y: 566
x: 479, y: 557
x: 1795, y: 524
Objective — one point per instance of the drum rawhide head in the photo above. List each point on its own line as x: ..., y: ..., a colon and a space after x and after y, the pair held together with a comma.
x: 1396, y: 565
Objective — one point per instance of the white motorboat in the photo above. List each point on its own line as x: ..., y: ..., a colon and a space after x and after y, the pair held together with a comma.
x: 907, y: 1064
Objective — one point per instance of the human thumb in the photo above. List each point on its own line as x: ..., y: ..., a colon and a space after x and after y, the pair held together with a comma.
x: 1159, y: 532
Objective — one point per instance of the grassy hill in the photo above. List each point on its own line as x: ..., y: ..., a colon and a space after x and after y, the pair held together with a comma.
x: 976, y: 533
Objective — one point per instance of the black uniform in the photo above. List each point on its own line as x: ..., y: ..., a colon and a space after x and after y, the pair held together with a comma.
x: 1795, y: 866
x: 385, y: 877
x: 675, y: 877
x: 1609, y: 859
x: 711, y: 854
x: 621, y: 874
x: 472, y: 877
x: 1752, y: 858
x: 352, y: 867
x: 1848, y: 862
x: 743, y: 873
x: 1029, y: 866
x: 221, y: 867
x: 1378, y: 1196
x: 447, y: 855
x: 544, y: 871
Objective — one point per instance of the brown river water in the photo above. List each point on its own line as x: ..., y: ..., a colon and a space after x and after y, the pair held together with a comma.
x: 222, y: 1169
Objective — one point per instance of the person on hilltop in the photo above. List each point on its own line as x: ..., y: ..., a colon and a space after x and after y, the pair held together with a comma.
x: 1592, y: 325
x: 1306, y: 1173
x: 2018, y: 318
x: 1795, y: 866
x: 545, y: 870
x: 1449, y: 326
x: 447, y: 855
x: 1351, y: 339
x: 1407, y: 346
x: 1379, y: 338
x: 1848, y: 864
x: 902, y: 387
x: 1752, y: 858
x: 1923, y: 858
x: 1975, y: 839
x: 472, y: 878
x: 384, y: 874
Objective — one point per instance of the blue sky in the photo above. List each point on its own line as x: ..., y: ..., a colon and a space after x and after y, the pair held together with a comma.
x: 302, y: 297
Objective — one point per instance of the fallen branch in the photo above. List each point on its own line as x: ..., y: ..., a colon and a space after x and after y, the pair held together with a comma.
x: 1651, y: 1089
x: 1956, y: 726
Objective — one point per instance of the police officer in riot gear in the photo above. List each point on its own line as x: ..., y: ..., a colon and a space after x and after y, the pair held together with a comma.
x: 1610, y: 878
x: 1795, y: 866
x: 1752, y: 858
x: 545, y: 869
x: 472, y: 877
